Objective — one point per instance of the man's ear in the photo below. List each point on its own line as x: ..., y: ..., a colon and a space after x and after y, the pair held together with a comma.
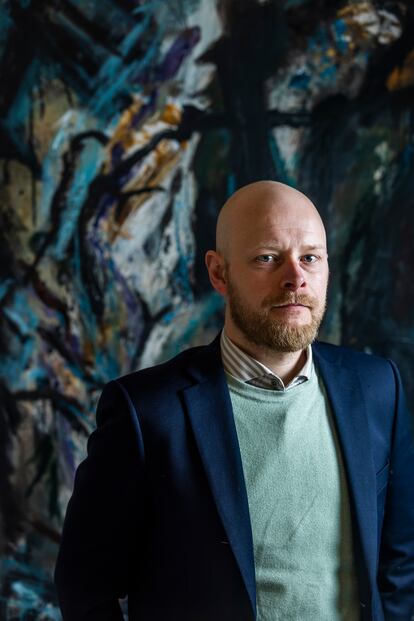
x: 216, y: 270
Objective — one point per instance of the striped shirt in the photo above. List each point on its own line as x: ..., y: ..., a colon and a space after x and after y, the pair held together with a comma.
x: 243, y: 367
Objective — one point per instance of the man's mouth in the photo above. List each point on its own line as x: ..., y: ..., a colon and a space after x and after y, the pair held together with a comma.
x: 290, y: 304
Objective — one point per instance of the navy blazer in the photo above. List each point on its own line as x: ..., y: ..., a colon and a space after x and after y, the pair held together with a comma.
x: 159, y: 510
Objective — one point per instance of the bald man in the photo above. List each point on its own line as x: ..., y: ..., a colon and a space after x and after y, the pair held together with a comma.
x: 265, y: 476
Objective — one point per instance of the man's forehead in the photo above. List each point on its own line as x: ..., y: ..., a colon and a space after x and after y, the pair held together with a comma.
x: 262, y: 212
x: 308, y: 242
x: 261, y: 234
x: 296, y: 214
x: 272, y: 232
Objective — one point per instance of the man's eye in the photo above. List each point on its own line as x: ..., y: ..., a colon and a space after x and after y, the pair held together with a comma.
x: 265, y: 258
x: 309, y: 258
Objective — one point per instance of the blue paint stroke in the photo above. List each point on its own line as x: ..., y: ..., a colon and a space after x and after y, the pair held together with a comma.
x: 148, y: 7
x: 81, y: 295
x: 280, y: 165
x: 79, y: 414
x: 182, y: 231
x: 340, y: 29
x: 319, y: 40
x: 407, y: 155
x: 37, y: 376
x: 329, y: 73
x: 66, y: 445
x: 52, y: 164
x: 231, y: 184
x: 5, y: 287
x: 320, y: 44
x: 31, y: 590
x: 20, y: 314
x: 15, y: 122
x: 212, y: 305
x: 300, y: 80
x: 178, y: 52
x: 108, y: 364
x: 88, y: 165
x: 114, y: 78
x: 12, y: 367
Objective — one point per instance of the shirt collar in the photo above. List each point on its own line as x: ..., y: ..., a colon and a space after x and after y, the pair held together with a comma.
x: 247, y: 369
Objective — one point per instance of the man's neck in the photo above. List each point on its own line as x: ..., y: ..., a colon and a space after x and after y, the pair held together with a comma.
x: 285, y: 365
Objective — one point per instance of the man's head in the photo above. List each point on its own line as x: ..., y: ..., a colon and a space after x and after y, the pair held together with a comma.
x: 270, y: 264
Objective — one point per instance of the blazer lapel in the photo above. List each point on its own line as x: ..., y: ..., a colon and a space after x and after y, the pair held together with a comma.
x: 211, y: 417
x: 347, y: 400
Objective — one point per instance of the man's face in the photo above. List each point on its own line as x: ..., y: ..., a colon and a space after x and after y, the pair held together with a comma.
x: 262, y: 326
x: 276, y: 278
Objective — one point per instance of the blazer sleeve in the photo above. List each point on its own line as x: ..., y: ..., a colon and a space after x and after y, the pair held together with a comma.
x: 396, y: 562
x: 105, y: 516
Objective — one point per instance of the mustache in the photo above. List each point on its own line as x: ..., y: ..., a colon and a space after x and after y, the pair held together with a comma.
x: 290, y: 298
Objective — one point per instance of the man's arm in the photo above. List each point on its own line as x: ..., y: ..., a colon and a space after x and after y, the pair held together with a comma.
x: 396, y: 562
x: 104, y: 515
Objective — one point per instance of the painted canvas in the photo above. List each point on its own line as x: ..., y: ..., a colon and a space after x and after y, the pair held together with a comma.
x: 124, y: 126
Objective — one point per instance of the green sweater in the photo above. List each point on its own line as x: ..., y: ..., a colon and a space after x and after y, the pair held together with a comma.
x: 298, y: 502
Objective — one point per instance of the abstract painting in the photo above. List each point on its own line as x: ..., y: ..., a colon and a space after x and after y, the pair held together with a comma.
x: 124, y: 126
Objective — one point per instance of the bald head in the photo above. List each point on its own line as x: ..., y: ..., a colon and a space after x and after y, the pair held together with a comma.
x: 271, y: 266
x: 265, y: 202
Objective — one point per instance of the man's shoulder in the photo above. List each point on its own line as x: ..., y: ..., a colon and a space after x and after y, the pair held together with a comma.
x: 360, y: 361
x: 174, y: 372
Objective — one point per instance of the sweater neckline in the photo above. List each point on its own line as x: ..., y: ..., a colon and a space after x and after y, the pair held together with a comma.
x: 264, y: 394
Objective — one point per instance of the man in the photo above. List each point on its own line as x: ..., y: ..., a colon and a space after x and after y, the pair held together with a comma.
x: 263, y: 476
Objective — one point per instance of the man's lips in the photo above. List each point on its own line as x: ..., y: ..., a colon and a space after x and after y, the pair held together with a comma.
x: 290, y: 304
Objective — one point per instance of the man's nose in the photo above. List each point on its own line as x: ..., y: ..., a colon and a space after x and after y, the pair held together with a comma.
x: 293, y: 276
